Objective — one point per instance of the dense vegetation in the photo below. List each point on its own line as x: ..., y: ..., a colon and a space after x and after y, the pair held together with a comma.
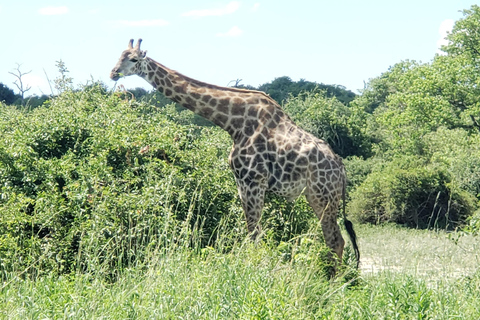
x: 107, y: 185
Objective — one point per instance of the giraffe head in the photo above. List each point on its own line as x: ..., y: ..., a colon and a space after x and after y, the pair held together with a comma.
x: 128, y: 63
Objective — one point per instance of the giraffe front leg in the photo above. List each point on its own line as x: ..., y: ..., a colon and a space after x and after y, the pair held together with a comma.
x: 252, y: 198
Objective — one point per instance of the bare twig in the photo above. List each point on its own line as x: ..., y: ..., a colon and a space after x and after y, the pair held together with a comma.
x: 22, y: 87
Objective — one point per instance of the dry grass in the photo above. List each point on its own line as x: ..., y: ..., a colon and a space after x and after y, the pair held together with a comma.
x: 426, y: 254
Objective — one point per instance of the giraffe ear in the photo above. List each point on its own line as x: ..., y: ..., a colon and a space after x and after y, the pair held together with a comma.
x: 144, y: 54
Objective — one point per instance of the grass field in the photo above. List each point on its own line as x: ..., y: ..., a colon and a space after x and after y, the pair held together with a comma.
x: 405, y: 274
x: 425, y: 254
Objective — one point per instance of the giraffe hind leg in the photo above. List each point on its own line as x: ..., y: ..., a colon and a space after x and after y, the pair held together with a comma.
x: 327, y: 214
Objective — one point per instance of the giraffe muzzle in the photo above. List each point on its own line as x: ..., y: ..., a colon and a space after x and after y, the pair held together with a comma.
x: 114, y: 75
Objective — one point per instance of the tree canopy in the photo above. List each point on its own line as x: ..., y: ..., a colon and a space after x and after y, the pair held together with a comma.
x: 7, y: 95
x: 282, y: 88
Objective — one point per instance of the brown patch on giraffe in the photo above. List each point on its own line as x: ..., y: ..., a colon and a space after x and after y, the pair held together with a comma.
x: 223, y: 102
x: 196, y: 95
x: 289, y: 166
x: 162, y: 72
x: 302, y: 161
x: 213, y: 102
x: 221, y: 119
x: 258, y: 158
x: 168, y: 92
x: 238, y: 107
x: 238, y: 110
x: 261, y: 147
x: 236, y: 123
x: 190, y: 101
x: 266, y: 133
x: 250, y: 126
x: 237, y: 102
x: 271, y: 108
x: 252, y: 111
x: 168, y: 83
x: 272, y: 181
x: 223, y: 108
x: 264, y: 115
x: 253, y: 101
x: 260, y: 140
x: 324, y: 165
x: 292, y: 156
x: 296, y: 175
x: 313, y: 156
x: 278, y: 174
x: 206, y: 98
x: 153, y: 66
x: 243, y: 172
x: 207, y: 112
x: 179, y: 89
x: 276, y: 118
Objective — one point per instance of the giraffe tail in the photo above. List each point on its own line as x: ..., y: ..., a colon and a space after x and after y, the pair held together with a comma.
x: 349, y: 227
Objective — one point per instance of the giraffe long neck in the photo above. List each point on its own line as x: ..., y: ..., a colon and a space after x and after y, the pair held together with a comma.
x: 222, y: 106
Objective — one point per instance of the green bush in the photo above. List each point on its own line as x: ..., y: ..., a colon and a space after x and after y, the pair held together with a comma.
x: 91, y: 179
x: 410, y: 192
x: 330, y: 120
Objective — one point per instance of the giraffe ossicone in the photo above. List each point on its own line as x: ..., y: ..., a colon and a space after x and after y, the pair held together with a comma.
x: 270, y: 152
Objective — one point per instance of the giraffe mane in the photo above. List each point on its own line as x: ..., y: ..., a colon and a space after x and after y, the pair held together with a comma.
x: 216, y: 87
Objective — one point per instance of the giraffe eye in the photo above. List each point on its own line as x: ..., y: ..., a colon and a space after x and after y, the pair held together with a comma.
x: 134, y: 60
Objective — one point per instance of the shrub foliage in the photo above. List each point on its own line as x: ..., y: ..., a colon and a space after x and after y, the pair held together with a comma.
x: 91, y: 178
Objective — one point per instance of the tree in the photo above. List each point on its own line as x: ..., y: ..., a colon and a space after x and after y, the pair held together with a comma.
x: 22, y: 87
x: 464, y: 48
x: 63, y: 82
x: 330, y: 120
x: 465, y: 36
x: 424, y: 124
x: 283, y: 88
x: 6, y: 94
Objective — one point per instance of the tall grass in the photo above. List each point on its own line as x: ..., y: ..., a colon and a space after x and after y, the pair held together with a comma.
x: 244, y: 281
x: 181, y: 279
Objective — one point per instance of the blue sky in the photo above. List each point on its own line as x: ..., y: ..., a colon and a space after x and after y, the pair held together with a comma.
x: 344, y: 42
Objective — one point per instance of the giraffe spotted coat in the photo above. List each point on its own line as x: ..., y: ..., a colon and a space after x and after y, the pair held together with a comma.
x: 270, y: 152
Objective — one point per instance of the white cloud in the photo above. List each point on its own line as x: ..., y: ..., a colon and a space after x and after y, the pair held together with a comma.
x: 143, y: 23
x: 255, y: 7
x: 228, y: 9
x: 445, y: 28
x: 50, y: 11
x: 233, y: 32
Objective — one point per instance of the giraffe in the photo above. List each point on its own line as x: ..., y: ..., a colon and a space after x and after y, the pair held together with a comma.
x: 270, y: 152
